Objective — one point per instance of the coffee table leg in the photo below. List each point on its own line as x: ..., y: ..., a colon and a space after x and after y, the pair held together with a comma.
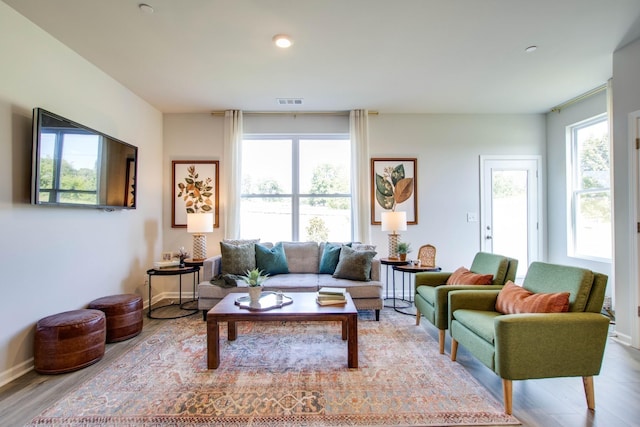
x: 345, y: 331
x: 232, y: 332
x: 213, y: 344
x: 352, y: 343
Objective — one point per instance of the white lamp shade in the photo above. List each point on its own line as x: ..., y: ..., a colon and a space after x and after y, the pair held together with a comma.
x: 200, y: 223
x: 394, y: 221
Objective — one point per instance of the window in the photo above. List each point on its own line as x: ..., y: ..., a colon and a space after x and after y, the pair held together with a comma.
x: 69, y: 171
x: 590, y: 189
x: 296, y: 188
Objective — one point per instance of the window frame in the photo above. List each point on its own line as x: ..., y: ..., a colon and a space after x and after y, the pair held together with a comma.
x: 296, y: 196
x: 575, y: 189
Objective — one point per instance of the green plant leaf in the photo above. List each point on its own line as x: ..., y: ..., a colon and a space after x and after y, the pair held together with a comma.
x: 383, y: 186
x: 386, y: 202
x: 397, y: 174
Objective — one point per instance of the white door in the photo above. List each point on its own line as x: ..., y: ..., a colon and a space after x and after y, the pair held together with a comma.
x: 510, y: 208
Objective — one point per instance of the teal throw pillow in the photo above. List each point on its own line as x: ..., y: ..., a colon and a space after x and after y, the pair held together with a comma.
x: 237, y: 259
x: 354, y: 265
x: 273, y: 260
x: 329, y: 259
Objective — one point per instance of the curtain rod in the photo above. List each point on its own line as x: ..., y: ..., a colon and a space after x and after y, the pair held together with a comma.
x: 579, y: 98
x: 293, y: 113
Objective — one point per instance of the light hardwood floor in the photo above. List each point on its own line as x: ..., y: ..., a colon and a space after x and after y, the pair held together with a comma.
x: 558, y: 402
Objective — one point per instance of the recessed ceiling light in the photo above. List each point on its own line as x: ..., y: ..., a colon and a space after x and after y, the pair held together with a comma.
x: 531, y: 49
x: 145, y: 8
x: 282, y: 40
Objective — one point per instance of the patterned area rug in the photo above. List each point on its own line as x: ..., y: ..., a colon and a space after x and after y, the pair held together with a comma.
x: 281, y: 374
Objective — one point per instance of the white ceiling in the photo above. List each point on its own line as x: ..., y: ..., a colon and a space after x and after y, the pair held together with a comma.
x: 402, y: 56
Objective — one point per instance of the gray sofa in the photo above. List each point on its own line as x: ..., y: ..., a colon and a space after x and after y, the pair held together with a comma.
x: 304, y: 263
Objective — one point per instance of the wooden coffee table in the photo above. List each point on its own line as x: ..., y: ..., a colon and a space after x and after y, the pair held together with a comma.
x: 303, y: 308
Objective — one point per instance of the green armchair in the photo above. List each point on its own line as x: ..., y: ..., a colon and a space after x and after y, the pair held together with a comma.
x: 536, y: 345
x: 431, y: 292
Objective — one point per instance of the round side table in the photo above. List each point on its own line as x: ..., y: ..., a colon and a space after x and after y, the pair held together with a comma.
x: 174, y: 271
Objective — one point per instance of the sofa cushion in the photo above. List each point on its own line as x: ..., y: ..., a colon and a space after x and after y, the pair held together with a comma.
x: 462, y: 276
x: 354, y: 265
x: 479, y: 322
x: 237, y: 259
x: 488, y: 263
x: 303, y: 257
x: 330, y: 258
x: 514, y: 299
x: 238, y: 242
x: 363, y: 247
x: 271, y: 261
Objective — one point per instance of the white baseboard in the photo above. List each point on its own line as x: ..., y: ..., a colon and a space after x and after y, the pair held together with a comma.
x: 16, y: 372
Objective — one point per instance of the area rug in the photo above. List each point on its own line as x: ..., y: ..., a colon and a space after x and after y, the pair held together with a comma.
x: 281, y: 374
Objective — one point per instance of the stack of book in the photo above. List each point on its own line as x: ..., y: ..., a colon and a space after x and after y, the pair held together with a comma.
x: 332, y: 296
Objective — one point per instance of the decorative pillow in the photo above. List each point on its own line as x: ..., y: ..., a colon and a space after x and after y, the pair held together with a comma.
x: 237, y: 259
x: 463, y: 276
x: 363, y: 247
x: 354, y: 265
x: 238, y: 242
x: 514, y: 299
x: 273, y: 260
x: 330, y: 258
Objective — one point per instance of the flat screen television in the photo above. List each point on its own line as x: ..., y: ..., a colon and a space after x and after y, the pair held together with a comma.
x: 73, y: 165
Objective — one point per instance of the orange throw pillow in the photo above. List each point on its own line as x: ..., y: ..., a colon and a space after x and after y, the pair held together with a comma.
x: 463, y: 276
x: 514, y: 299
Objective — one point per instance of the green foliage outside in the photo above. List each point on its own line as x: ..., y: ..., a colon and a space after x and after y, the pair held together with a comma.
x: 329, y: 179
x: 317, y: 230
x: 80, y: 185
x: 594, y: 158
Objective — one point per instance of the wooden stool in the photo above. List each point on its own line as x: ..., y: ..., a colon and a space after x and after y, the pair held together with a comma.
x: 124, y: 315
x: 69, y: 341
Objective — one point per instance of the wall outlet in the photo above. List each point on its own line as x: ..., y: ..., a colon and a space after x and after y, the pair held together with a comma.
x: 472, y: 217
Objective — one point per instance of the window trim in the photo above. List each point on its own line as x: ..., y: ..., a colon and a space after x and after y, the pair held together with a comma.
x: 574, y: 190
x: 295, y: 196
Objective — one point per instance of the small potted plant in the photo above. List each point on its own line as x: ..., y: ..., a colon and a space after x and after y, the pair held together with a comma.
x: 255, y: 278
x: 403, y: 249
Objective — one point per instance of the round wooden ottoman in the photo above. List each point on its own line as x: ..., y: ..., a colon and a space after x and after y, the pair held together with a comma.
x: 69, y: 341
x: 124, y: 315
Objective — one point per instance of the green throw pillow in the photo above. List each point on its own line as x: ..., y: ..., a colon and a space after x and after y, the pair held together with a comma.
x: 237, y: 259
x: 354, y: 265
x: 271, y: 261
x: 330, y: 257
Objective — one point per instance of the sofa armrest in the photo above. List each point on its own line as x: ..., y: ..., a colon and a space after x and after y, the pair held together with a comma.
x: 473, y: 300
x: 375, y: 269
x: 211, y: 267
x: 431, y: 278
x: 543, y: 345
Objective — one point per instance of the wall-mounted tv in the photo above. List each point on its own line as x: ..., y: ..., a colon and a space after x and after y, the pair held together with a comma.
x: 73, y: 165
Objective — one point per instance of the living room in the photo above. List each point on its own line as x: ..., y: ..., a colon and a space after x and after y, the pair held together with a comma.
x: 60, y: 259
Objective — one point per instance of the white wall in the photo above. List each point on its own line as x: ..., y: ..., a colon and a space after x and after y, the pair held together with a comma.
x: 56, y: 259
x: 626, y: 99
x: 447, y: 148
x: 557, y: 179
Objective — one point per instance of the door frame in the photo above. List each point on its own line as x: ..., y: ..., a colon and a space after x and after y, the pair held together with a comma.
x: 633, y: 297
x: 539, y: 233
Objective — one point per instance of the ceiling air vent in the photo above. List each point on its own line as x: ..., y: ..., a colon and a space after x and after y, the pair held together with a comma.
x: 289, y: 101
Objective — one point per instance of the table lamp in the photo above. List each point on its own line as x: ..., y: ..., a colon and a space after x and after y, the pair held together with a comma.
x: 199, y: 223
x: 394, y: 222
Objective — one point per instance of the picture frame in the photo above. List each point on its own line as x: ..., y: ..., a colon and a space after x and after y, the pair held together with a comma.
x: 394, y: 187
x: 195, y: 189
x: 167, y: 256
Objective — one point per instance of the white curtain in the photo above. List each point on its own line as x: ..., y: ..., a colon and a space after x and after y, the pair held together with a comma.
x: 361, y: 206
x: 232, y: 172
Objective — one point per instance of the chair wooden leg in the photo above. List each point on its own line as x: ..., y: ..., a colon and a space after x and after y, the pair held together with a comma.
x: 417, y: 317
x: 454, y: 349
x: 441, y: 340
x: 589, y: 393
x: 507, y: 393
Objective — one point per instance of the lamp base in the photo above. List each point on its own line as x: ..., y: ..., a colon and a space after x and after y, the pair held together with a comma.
x: 393, y: 245
x: 199, y: 247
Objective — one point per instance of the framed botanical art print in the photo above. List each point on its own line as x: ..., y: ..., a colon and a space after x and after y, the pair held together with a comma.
x: 195, y: 190
x: 394, y: 188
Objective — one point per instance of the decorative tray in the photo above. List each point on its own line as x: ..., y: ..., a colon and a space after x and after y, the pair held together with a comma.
x: 268, y: 301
